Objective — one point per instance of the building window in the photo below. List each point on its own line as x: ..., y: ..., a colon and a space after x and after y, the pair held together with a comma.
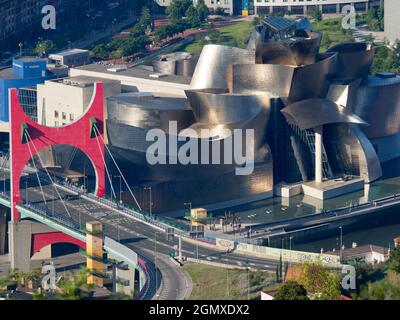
x: 71, y: 117
x: 64, y: 116
x: 56, y: 124
x: 56, y: 114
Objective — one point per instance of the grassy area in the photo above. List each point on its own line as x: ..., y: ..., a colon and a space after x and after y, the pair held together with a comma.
x: 232, y: 35
x: 216, y: 283
x: 333, y: 33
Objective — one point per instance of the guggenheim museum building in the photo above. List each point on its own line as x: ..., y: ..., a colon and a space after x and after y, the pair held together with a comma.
x: 322, y: 126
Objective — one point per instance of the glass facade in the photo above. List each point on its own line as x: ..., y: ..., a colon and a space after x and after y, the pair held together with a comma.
x: 28, y: 100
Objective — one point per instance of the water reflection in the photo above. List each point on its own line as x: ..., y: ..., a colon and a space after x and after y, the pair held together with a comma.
x: 281, y: 209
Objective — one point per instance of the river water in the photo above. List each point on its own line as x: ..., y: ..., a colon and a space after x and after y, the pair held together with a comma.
x: 281, y: 209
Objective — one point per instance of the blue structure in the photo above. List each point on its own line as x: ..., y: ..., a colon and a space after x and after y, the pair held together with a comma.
x: 25, y: 72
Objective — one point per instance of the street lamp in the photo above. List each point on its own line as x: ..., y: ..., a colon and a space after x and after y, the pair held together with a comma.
x: 155, y: 254
x: 120, y: 188
x: 150, y: 202
x: 251, y: 222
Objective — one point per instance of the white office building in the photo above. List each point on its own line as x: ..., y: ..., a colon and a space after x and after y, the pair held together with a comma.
x: 392, y: 25
x: 63, y: 101
x: 305, y: 6
x: 227, y: 5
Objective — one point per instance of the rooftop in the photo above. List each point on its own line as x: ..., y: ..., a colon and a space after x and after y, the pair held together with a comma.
x: 82, y: 81
x: 278, y: 23
x: 151, y: 101
x: 361, y: 250
x: 30, y: 59
x: 7, y: 73
x: 135, y: 72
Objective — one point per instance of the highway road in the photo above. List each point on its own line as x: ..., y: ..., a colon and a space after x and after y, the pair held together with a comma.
x: 142, y: 238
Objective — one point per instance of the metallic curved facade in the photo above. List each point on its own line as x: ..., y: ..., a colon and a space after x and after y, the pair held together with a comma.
x: 213, y: 66
x: 299, y: 51
x: 225, y: 108
x: 149, y: 111
x: 283, y: 90
x: 312, y: 113
x: 354, y: 60
x: 289, y: 82
x: 177, y: 63
x: 378, y: 102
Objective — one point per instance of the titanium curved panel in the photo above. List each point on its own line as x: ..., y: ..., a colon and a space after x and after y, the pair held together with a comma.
x: 298, y: 52
x: 130, y: 147
x: 354, y: 60
x: 275, y: 53
x: 178, y: 63
x: 352, y: 151
x: 370, y: 167
x: 225, y: 108
x: 149, y: 111
x: 255, y: 38
x: 293, y: 83
x: 313, y: 113
x: 378, y: 103
x: 213, y: 66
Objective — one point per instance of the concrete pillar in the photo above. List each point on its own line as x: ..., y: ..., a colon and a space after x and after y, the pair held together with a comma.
x: 20, y: 238
x: 304, y: 10
x: 366, y: 7
x: 126, y: 275
x: 94, y: 248
x: 338, y: 8
x: 318, y: 154
x: 271, y: 9
x: 3, y: 229
x: 180, y: 249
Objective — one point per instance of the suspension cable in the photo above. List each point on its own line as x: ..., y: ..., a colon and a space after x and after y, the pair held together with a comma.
x: 119, y: 170
x: 48, y: 174
x: 36, y: 170
x: 71, y: 158
x: 105, y: 166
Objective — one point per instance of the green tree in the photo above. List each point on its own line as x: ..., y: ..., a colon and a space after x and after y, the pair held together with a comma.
x: 291, y: 290
x: 317, y: 14
x: 320, y: 283
x: 386, y: 289
x: 177, y: 9
x: 44, y: 47
x: 219, y: 11
x: 75, y: 288
x: 193, y: 17
x: 144, y: 23
x: 394, y: 260
x: 202, y: 10
x: 381, y: 17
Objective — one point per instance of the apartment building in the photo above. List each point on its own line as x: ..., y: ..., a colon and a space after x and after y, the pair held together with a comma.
x: 304, y: 6
x: 18, y: 16
x: 21, y: 19
x: 392, y: 26
x: 227, y: 5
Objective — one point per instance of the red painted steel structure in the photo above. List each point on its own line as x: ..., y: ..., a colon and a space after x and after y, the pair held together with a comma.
x: 41, y: 240
x: 78, y: 134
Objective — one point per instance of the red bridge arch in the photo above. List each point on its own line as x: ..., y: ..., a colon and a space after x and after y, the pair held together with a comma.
x: 79, y: 134
x: 41, y: 240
